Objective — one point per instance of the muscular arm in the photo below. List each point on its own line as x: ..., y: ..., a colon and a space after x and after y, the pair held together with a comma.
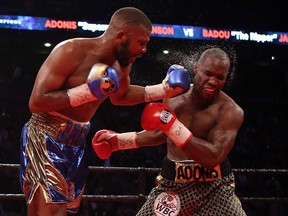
x: 150, y: 138
x: 105, y: 142
x: 220, y: 139
x: 49, y: 91
x: 127, y: 94
x: 134, y: 95
x: 177, y: 81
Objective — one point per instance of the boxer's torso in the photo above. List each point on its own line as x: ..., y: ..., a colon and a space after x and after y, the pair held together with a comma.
x: 199, y: 120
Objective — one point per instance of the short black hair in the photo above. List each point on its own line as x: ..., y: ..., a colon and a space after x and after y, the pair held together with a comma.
x: 131, y: 15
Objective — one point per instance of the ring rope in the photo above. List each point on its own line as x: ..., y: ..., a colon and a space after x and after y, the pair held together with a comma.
x: 141, y: 197
x: 151, y: 170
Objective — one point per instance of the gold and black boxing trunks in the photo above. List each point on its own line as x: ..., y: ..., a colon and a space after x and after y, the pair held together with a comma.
x: 190, y: 171
x: 185, y: 188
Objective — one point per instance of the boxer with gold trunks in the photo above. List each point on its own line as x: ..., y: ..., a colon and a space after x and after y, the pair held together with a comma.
x: 199, y: 128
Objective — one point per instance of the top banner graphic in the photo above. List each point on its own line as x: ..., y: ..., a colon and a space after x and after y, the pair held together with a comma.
x: 159, y: 30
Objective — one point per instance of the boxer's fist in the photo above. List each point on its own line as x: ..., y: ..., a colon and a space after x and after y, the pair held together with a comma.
x: 101, y: 82
x: 177, y: 81
x: 105, y: 145
x: 105, y: 142
x: 159, y: 116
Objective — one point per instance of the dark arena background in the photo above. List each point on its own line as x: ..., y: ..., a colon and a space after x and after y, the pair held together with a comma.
x: 119, y: 185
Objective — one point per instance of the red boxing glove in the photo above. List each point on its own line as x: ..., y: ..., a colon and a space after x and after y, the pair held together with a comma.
x: 159, y: 116
x: 105, y: 142
x: 103, y: 149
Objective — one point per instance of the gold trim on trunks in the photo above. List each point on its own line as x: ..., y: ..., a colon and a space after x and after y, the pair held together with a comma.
x: 65, y: 131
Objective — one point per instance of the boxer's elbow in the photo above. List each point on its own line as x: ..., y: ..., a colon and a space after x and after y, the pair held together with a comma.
x: 33, y: 107
x: 36, y: 106
x: 213, y: 161
x: 207, y: 158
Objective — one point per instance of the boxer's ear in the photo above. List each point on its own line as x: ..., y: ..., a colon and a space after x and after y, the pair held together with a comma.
x: 195, y: 67
x: 121, y: 37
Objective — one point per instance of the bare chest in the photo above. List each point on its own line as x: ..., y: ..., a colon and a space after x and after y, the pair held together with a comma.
x: 198, y: 121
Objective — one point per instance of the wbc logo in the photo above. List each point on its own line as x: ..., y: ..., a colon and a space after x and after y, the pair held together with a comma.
x: 167, y: 204
x: 165, y: 116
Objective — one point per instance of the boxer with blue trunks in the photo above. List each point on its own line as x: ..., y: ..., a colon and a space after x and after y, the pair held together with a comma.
x: 53, y: 159
x: 75, y: 79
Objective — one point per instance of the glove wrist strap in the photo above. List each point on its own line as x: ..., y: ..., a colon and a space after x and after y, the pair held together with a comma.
x: 154, y: 92
x: 80, y: 95
x: 179, y: 134
x: 127, y: 140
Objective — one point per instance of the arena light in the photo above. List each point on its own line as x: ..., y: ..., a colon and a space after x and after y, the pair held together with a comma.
x: 165, y: 52
x: 47, y: 44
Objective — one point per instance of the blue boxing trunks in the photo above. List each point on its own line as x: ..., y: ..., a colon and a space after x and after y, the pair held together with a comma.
x: 53, y: 158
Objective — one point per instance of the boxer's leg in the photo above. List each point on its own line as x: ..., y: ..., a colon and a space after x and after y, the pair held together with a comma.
x: 39, y: 207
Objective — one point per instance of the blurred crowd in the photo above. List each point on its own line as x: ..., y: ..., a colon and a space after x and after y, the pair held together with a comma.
x: 261, y: 144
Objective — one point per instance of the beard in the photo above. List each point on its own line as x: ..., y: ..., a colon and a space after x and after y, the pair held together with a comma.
x: 123, y: 54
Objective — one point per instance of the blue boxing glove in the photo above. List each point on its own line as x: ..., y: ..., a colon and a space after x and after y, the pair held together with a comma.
x: 101, y: 82
x: 177, y: 81
x: 178, y: 77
